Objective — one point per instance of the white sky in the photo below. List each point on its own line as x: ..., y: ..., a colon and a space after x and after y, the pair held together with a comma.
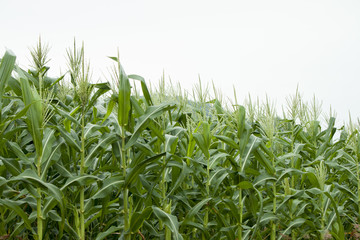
x: 264, y: 46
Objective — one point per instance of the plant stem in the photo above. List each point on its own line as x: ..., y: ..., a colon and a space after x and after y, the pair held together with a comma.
x: 240, y: 204
x: 39, y: 216
x: 167, y: 229
x: 165, y: 205
x: 126, y: 191
x: 206, y: 217
x: 38, y: 202
x: 241, y: 215
x: 322, y: 217
x: 82, y: 166
x: 273, y: 224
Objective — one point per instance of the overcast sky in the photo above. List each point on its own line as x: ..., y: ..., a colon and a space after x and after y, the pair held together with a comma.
x: 260, y: 47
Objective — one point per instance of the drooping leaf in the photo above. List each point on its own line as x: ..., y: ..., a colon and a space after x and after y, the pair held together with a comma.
x: 170, y: 221
x: 138, y: 218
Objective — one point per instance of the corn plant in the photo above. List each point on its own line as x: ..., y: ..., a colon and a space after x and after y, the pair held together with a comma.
x: 119, y: 160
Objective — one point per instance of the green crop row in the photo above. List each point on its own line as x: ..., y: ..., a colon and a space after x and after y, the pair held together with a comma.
x: 118, y: 160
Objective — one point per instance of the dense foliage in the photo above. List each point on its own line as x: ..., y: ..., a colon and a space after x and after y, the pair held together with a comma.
x: 80, y: 160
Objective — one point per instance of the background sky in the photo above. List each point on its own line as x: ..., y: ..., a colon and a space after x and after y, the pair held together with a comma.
x: 259, y: 46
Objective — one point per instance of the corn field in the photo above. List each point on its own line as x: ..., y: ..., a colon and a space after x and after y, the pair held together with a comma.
x: 121, y: 160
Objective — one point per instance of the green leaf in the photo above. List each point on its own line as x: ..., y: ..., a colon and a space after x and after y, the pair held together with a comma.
x: 252, y: 145
x: 228, y: 141
x: 138, y: 218
x: 102, y: 88
x: 170, y: 143
x: 151, y: 113
x: 259, y: 155
x: 245, y: 185
x: 340, y: 227
x: 267, y: 217
x: 195, y: 210
x: 79, y: 181
x: 263, y: 178
x: 12, y: 165
x: 289, y: 172
x: 109, y: 185
x: 170, y: 221
x: 30, y: 176
x: 91, y: 128
x: 185, y: 171
x: 103, y: 143
x: 144, y: 88
x: 18, y: 152
x: 66, y: 115
x: 295, y: 223
x: 313, y: 179
x: 54, y: 155
x: 124, y: 104
x: 16, y: 207
x: 69, y: 139
x: 108, y: 232
x: 216, y: 158
x: 47, y: 144
x: 34, y: 114
x: 110, y: 108
x: 200, y: 140
x: 6, y: 67
x: 134, y: 172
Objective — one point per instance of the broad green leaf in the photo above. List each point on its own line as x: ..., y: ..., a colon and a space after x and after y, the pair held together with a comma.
x: 340, y: 231
x: 245, y: 185
x: 30, y: 176
x: 69, y: 139
x: 79, y: 181
x: 66, y: 115
x: 260, y: 156
x: 108, y: 232
x: 217, y: 178
x: 138, y: 218
x: 267, y: 217
x: 143, y: 88
x: 133, y: 172
x: 16, y: 207
x: 123, y: 96
x: 263, y: 178
x: 198, y: 226
x: 109, y: 185
x: 170, y: 221
x: 195, y: 210
x: 12, y: 165
x: 6, y: 67
x: 54, y: 155
x: 170, y: 143
x: 34, y: 114
x: 252, y: 145
x: 47, y: 144
x: 228, y: 141
x: 151, y: 113
x: 313, y: 179
x: 91, y: 128
x: 216, y: 158
x: 295, y: 223
x: 103, y: 143
x: 102, y: 88
x: 19, y: 153
x: 289, y: 172
x: 185, y: 171
x: 200, y: 140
